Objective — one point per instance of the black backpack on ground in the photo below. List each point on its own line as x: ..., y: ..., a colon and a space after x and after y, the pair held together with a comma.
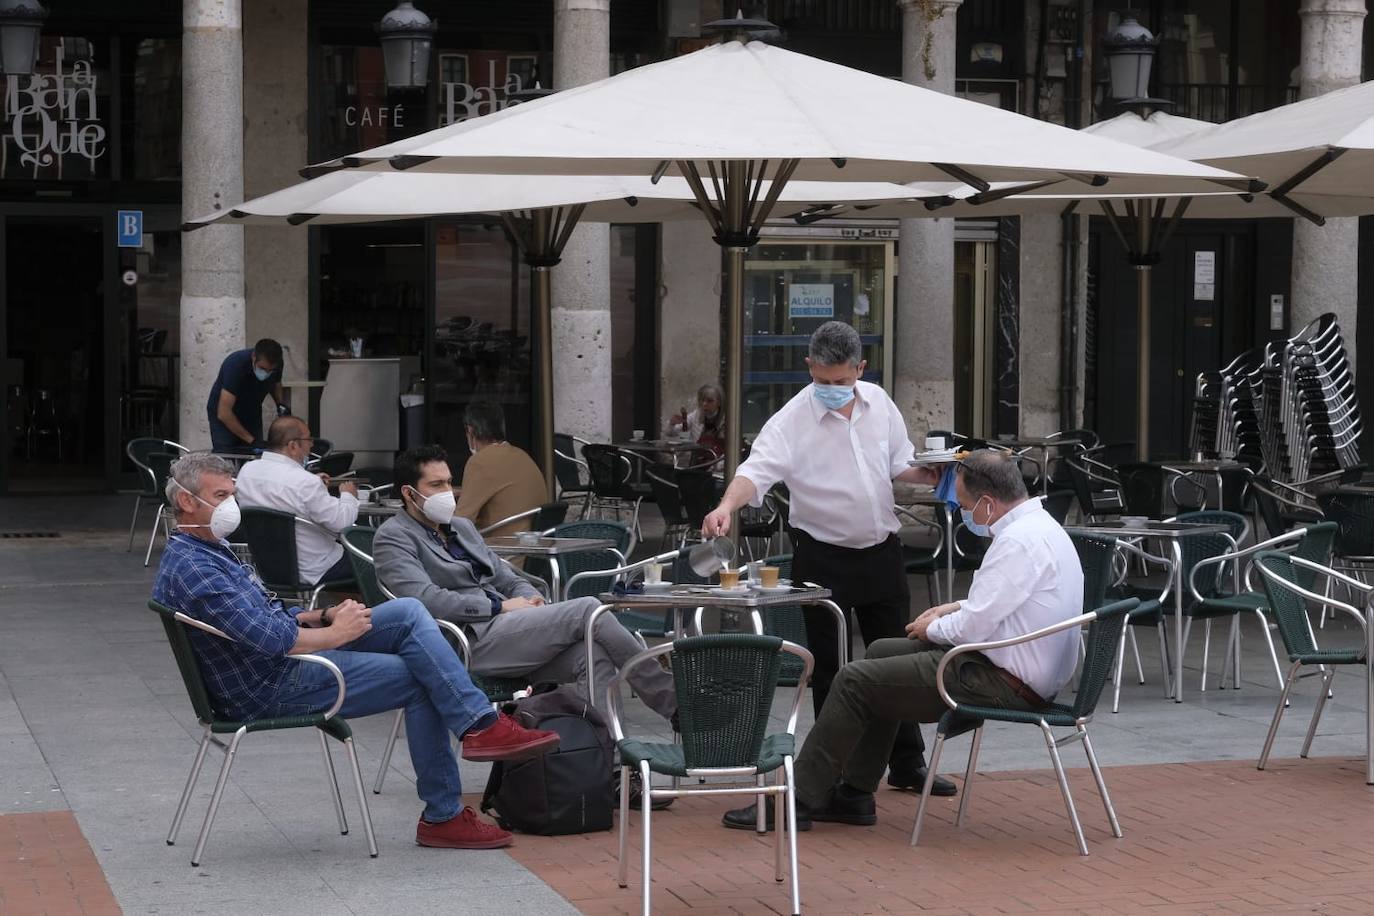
x: 567, y: 790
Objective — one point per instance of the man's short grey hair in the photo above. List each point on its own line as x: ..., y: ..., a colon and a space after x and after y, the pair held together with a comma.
x: 188, y: 469
x: 986, y: 472
x: 835, y: 343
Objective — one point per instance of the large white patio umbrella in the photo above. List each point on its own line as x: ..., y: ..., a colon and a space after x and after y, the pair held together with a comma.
x: 734, y: 117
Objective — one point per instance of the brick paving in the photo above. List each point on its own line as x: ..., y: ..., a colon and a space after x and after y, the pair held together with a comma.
x: 1216, y: 837
x: 48, y: 869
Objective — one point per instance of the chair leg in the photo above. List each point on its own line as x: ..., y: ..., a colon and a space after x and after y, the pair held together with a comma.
x: 1317, y: 713
x: 1164, y: 661
x: 1064, y: 788
x: 362, y: 797
x: 622, y: 878
x: 1101, y: 783
x: 968, y: 775
x: 333, y: 782
x: 152, y: 537
x: 645, y: 853
x: 1206, y: 647
x: 760, y: 808
x: 315, y: 596
x: 792, y: 834
x: 1235, y: 652
x: 779, y: 819
x: 386, y: 754
x: 1120, y: 664
x: 189, y: 788
x: 218, y: 794
x: 925, y: 789
x: 133, y: 523
x: 1278, y: 714
x: 1135, y: 649
x: 1269, y: 639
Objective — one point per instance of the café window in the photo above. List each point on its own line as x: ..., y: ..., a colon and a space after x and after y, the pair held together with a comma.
x: 152, y: 124
x: 57, y: 119
x: 792, y: 288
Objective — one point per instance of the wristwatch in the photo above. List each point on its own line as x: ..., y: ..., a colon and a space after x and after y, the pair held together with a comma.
x: 324, y: 617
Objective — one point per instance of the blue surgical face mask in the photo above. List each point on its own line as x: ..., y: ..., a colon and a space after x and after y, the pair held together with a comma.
x: 261, y: 373
x: 833, y: 397
x: 983, y: 531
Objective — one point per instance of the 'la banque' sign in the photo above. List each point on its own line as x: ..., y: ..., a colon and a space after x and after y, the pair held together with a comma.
x: 49, y: 115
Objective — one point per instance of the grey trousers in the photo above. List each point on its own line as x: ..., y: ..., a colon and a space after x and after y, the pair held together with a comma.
x: 548, y: 644
x: 869, y: 699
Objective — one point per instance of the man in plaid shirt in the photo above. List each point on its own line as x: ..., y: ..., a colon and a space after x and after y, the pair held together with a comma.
x: 392, y: 656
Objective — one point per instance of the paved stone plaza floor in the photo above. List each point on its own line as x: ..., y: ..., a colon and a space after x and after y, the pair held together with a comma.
x: 96, y: 738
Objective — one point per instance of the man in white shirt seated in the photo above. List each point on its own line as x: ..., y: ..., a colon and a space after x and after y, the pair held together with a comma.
x: 278, y: 480
x: 1030, y: 578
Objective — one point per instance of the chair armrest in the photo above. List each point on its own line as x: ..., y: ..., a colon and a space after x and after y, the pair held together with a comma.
x: 1322, y: 600
x: 915, y: 519
x: 1151, y: 559
x: 529, y: 513
x: 464, y: 646
x: 1330, y: 573
x: 1070, y: 624
x: 622, y: 569
x: 308, y: 658
x: 1237, y: 555
x: 613, y: 703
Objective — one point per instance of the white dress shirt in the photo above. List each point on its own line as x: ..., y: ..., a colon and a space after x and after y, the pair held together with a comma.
x: 839, y: 471
x: 276, y: 482
x: 1029, y: 578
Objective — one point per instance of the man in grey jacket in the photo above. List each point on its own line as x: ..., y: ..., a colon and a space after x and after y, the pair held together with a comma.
x: 427, y: 552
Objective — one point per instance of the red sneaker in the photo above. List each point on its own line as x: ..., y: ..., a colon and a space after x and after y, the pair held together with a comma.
x: 462, y: 832
x: 507, y: 740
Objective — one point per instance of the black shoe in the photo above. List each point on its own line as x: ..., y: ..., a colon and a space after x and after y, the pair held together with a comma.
x: 747, y: 818
x: 848, y: 806
x: 655, y: 804
x: 914, y: 780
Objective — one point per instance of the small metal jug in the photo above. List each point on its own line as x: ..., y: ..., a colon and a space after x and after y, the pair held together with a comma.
x: 708, y: 557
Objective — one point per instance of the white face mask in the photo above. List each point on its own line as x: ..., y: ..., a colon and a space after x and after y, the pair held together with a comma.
x: 225, y: 518
x: 438, y: 508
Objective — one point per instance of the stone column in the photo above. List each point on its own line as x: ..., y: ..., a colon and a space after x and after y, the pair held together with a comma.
x: 582, y: 282
x: 1325, y: 258
x: 277, y: 290
x: 1041, y: 302
x: 924, y: 345
x: 212, y: 322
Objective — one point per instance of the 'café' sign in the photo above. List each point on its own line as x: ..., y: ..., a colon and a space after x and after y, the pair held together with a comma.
x: 54, y: 115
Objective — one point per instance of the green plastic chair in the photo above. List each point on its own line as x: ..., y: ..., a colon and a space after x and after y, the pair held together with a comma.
x: 1281, y: 574
x: 1313, y: 543
x: 175, y: 623
x: 357, y: 541
x: 1104, y: 634
x: 787, y: 622
x: 271, y: 536
x: 725, y: 685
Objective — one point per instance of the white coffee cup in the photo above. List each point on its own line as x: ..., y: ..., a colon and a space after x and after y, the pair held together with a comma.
x: 934, y: 443
x: 653, y: 573
x: 639, y: 434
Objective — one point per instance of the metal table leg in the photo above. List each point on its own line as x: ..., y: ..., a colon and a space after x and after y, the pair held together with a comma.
x: 1369, y: 694
x: 1178, y: 620
x: 949, y: 555
x: 555, y: 585
x: 842, y: 622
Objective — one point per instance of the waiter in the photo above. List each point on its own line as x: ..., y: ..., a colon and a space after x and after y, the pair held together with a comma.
x: 837, y: 445
x: 235, y: 405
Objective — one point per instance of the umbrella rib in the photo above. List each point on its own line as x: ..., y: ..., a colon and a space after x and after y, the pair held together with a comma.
x: 785, y: 170
x: 521, y: 239
x: 963, y: 175
x: 1174, y: 220
x: 692, y: 174
x: 715, y: 185
x: 569, y: 224
x: 1115, y: 220
x: 1298, y: 208
x: 1316, y: 165
x: 987, y: 197
x: 756, y: 184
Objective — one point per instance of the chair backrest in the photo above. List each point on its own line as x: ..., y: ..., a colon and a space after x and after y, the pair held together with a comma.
x: 663, y: 484
x: 322, y: 447
x: 1058, y: 504
x: 138, y: 451
x: 1316, y: 546
x: 608, y: 469
x: 1095, y: 556
x: 787, y: 622
x: 566, y: 470
x: 700, y: 493
x: 187, y: 663
x: 550, y: 515
x: 271, y: 535
x: 1145, y: 489
x: 1353, y: 512
x: 333, y: 464
x: 1099, y: 659
x: 1287, y: 605
x: 1082, y: 487
x: 1195, y: 548
x: 570, y: 564
x: 725, y: 686
x: 160, y: 463
x: 358, y: 545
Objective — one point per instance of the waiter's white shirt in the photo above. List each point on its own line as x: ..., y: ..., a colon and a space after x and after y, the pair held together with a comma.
x: 839, y: 472
x: 1029, y: 578
x: 276, y: 482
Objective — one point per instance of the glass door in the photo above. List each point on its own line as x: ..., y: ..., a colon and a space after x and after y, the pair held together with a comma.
x: 975, y: 384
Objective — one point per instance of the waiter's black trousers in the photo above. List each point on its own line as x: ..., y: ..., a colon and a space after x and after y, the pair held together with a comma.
x: 870, y: 586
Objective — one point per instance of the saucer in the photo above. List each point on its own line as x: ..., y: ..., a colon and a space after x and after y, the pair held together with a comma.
x: 778, y: 589
x: 656, y: 586
x: 735, y: 592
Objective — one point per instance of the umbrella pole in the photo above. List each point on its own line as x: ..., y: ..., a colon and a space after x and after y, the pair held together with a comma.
x: 541, y: 288
x: 1142, y: 279
x: 732, y: 265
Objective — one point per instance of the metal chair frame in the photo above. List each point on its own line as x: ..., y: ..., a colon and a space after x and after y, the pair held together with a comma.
x: 783, y: 789
x: 1080, y: 733
x: 520, y: 516
x: 142, y: 471
x: 230, y: 749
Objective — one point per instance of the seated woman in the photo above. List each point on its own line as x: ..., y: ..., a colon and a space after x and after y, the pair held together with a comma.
x: 705, y: 425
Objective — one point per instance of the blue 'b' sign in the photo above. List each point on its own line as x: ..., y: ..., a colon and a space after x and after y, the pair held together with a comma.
x: 130, y: 228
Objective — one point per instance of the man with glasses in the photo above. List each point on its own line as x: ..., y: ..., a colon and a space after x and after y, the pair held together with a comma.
x: 278, y: 480
x: 838, y: 445
x: 1030, y: 578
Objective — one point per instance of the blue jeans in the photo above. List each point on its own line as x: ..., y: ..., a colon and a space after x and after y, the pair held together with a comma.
x: 403, y: 661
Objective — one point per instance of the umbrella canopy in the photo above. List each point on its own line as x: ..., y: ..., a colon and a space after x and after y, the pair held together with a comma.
x: 756, y: 102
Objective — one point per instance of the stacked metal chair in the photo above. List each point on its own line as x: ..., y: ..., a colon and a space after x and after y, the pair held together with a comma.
x: 1320, y: 417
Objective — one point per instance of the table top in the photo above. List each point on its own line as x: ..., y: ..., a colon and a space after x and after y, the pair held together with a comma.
x: 1034, y: 442
x: 509, y: 545
x: 1215, y: 464
x: 1149, y: 529
x: 235, y: 456
x: 694, y: 595
x: 377, y: 509
x: 658, y: 445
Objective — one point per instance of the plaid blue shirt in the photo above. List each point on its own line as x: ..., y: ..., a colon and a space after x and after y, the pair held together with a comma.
x: 207, y: 582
